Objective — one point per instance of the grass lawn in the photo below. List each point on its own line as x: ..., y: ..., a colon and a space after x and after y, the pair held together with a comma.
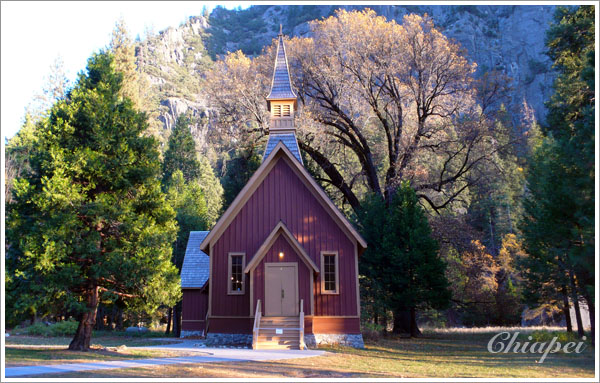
x: 436, y: 354
x: 24, y: 350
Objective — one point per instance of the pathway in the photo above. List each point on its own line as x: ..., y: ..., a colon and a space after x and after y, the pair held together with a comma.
x: 205, y: 355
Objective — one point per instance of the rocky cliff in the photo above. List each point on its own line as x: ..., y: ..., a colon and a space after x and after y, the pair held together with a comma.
x: 506, y: 38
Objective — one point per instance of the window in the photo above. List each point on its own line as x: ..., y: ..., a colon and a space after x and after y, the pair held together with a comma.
x: 277, y: 110
x: 330, y: 277
x: 286, y: 110
x: 235, y: 275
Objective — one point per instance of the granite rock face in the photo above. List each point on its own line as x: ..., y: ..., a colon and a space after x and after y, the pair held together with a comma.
x: 507, y: 38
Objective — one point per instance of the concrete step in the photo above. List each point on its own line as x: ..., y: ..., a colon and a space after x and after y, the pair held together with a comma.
x: 277, y: 347
x: 295, y: 345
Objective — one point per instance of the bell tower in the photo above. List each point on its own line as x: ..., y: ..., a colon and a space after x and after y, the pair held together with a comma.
x: 282, y: 104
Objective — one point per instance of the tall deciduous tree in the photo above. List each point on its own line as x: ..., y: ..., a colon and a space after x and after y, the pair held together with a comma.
x: 89, y: 221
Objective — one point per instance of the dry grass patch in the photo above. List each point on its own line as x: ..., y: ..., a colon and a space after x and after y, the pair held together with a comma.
x: 446, y: 354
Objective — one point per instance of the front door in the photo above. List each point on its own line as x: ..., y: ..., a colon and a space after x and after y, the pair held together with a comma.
x: 281, y: 289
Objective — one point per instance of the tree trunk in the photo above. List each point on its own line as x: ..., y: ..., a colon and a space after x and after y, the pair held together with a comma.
x: 177, y: 320
x: 83, y: 335
x: 591, y: 308
x: 567, y: 308
x: 575, y: 298
x: 169, y: 321
x: 414, y: 329
x: 405, y: 322
x: 401, y: 322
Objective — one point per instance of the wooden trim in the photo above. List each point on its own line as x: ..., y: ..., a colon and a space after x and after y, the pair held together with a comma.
x: 280, y: 264
x: 210, y: 279
x: 280, y: 229
x: 240, y: 200
x: 229, y: 291
x: 251, y: 276
x: 356, y: 280
x: 231, y: 317
x: 280, y: 150
x: 332, y: 316
x: 334, y: 212
x: 337, y: 273
x: 312, y: 294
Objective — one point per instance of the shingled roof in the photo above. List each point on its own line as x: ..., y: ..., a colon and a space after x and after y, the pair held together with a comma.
x: 281, y: 85
x: 195, y: 269
x: 288, y: 139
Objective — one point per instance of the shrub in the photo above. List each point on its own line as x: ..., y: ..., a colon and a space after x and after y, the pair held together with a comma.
x: 546, y: 336
x: 64, y: 328
x: 372, y: 331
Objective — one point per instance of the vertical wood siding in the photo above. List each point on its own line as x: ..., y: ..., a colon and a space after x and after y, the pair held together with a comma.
x: 195, y: 306
x: 283, y: 196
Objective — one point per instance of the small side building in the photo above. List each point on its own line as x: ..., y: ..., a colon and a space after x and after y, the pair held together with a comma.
x: 194, y: 285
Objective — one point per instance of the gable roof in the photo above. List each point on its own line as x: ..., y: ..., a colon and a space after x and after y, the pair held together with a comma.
x: 288, y: 139
x: 195, y: 269
x: 280, y: 229
x: 281, y: 151
x: 281, y: 84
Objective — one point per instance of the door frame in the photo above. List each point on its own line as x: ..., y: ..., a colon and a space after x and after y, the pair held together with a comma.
x: 284, y: 264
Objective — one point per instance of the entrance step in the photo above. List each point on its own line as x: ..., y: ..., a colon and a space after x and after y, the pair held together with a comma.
x: 287, y: 338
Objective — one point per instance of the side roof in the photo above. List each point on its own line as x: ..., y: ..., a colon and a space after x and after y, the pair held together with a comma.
x: 195, y: 269
x: 240, y: 200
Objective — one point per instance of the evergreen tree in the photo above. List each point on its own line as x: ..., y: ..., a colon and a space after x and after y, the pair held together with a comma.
x: 238, y: 171
x: 89, y: 221
x: 405, y: 267
x: 181, y: 153
x: 189, y: 203
x: 559, y: 223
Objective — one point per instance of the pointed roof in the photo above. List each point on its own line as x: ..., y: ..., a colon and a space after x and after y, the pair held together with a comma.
x: 281, y: 84
x: 281, y: 151
x: 281, y: 229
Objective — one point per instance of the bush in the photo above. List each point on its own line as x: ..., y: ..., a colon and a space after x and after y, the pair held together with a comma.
x: 64, y: 328
x: 546, y: 336
x: 372, y: 331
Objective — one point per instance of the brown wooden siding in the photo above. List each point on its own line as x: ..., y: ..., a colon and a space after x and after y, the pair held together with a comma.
x: 335, y: 325
x: 283, y: 196
x: 195, y: 306
x: 282, y: 244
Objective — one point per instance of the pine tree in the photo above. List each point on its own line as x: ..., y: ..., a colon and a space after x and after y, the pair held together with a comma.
x: 559, y: 223
x: 181, y: 153
x: 406, y: 266
x: 89, y: 221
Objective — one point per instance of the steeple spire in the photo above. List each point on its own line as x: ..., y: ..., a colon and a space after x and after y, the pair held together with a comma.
x: 281, y: 83
x: 282, y: 103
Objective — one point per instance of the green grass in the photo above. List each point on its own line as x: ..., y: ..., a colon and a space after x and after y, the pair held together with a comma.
x: 44, y: 355
x: 451, y: 354
x: 97, y: 341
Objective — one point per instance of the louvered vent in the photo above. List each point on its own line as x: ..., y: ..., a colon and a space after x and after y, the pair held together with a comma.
x: 276, y: 110
x: 286, y: 110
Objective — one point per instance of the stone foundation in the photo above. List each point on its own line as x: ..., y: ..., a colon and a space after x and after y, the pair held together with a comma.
x: 185, y: 333
x: 351, y: 340
x: 217, y: 339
